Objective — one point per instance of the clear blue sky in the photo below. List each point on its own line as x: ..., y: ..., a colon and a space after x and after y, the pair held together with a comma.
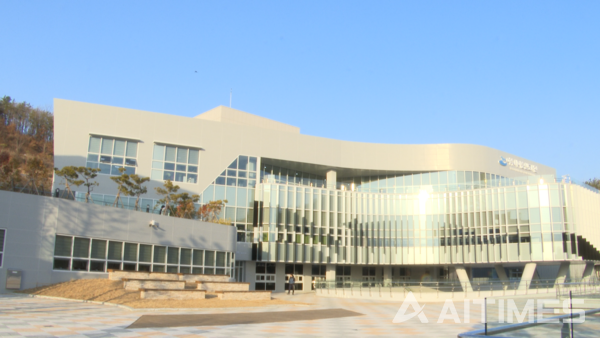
x: 519, y: 76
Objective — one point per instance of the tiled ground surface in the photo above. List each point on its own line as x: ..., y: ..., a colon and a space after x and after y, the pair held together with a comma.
x: 37, y: 317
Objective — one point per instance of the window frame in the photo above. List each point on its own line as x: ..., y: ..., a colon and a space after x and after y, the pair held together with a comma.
x: 229, y: 257
x: 3, y: 251
x: 124, y: 164
x: 158, y: 166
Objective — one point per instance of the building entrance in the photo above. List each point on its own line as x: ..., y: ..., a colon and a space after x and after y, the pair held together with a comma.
x: 298, y: 271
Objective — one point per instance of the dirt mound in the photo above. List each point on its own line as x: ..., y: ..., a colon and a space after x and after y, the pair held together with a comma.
x: 102, y: 290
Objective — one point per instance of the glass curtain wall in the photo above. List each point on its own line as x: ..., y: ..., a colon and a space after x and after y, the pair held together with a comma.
x: 504, y: 224
x: 236, y: 184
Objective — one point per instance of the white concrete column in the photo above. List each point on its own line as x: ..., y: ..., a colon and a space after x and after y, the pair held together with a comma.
x: 563, y: 270
x: 461, y: 273
x: 331, y: 179
x: 527, y: 276
x: 588, y: 272
x: 502, y: 276
x: 330, y: 273
x: 387, y: 275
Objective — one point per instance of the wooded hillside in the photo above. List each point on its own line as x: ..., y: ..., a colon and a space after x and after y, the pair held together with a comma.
x: 26, y: 147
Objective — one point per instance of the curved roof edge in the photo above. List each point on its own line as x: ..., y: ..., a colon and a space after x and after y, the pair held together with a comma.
x: 234, y: 116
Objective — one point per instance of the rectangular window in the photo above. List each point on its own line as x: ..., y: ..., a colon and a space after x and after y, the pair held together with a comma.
x: 109, y: 155
x: 81, y: 248
x: 130, y: 253
x: 209, y: 258
x: 62, y: 246
x: 98, y: 255
x: 99, y: 249
x: 2, y: 236
x: 186, y: 257
x: 145, y: 253
x: 174, y: 163
x: 198, y: 257
x: 173, y: 256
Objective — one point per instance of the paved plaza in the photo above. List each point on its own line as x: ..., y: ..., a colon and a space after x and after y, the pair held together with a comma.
x: 39, y: 317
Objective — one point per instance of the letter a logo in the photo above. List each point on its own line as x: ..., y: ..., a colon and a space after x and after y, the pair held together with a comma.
x: 411, y: 301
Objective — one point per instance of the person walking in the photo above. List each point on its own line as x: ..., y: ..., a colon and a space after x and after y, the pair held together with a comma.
x: 291, y: 282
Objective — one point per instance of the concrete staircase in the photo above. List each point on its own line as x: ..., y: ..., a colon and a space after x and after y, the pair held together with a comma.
x: 180, y: 286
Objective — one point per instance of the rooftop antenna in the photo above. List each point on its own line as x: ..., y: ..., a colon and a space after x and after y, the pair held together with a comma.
x: 230, y: 96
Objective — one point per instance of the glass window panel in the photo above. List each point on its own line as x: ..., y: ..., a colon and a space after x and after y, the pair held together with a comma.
x: 252, y: 164
x: 119, y: 148
x: 192, y: 178
x: 115, y: 170
x: 240, y: 215
x: 168, y: 175
x: 198, y: 257
x: 159, y: 152
x: 193, y: 156
x: 97, y: 266
x: 186, y: 256
x: 179, y: 177
x: 173, y: 256
x: 130, y: 252
x: 92, y: 157
x: 243, y: 162
x: 170, y: 154
x: 107, y: 146
x: 180, y: 167
x: 105, y: 159
x: 62, y: 246
x: 94, y: 146
x: 129, y: 170
x: 131, y: 149
x: 220, y: 259
x: 130, y: 161
x: 117, y: 160
x: 98, y: 249
x: 79, y: 265
x: 61, y: 264
x: 209, y: 258
x: 233, y: 164
x: 156, y: 175
x: 192, y: 169
x: 169, y: 166
x: 1, y: 241
x: 157, y: 165
x: 115, y: 250
x: 145, y: 253
x: 219, y: 193
x: 182, y: 155
x: 534, y: 215
x: 93, y: 165
x: 241, y: 197
x: 208, y: 194
x: 159, y: 254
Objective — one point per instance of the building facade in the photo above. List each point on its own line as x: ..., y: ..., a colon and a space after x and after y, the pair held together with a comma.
x: 339, y: 210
